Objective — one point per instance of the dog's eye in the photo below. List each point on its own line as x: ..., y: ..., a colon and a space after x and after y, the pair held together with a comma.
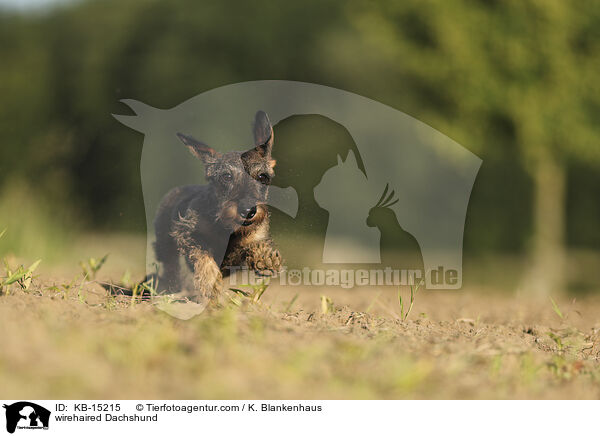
x: 264, y: 178
x: 225, y: 178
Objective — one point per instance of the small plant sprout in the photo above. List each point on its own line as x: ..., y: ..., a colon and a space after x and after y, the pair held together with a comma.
x: 92, y: 266
x: 556, y: 309
x: 255, y: 293
x: 326, y: 305
x: 413, y: 294
x: 25, y: 282
x: 148, y: 287
x: 126, y: 279
x: 64, y: 289
x: 80, y: 296
x: 558, y: 341
x: 21, y: 276
x: 259, y: 290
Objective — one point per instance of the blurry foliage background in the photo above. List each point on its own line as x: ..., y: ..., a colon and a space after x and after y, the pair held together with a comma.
x: 514, y: 81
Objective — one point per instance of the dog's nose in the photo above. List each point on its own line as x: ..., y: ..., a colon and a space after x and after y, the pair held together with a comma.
x: 248, y: 213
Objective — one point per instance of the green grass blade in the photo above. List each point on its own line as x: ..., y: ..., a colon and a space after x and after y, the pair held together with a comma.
x: 291, y: 303
x: 15, y: 277
x: 370, y: 306
x: 556, y: 309
x: 100, y: 263
x: 33, y: 266
x: 259, y: 292
x: 239, y: 291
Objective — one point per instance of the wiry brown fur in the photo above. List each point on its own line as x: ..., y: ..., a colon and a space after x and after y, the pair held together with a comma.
x: 211, y: 225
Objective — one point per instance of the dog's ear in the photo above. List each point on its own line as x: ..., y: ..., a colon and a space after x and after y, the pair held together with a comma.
x: 199, y: 149
x: 263, y: 134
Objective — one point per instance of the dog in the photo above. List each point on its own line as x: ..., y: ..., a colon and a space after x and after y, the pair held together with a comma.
x: 224, y: 224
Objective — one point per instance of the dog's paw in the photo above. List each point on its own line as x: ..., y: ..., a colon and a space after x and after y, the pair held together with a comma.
x: 269, y: 263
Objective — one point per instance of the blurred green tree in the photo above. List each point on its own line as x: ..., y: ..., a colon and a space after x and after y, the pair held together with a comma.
x: 515, y: 81
x: 489, y: 74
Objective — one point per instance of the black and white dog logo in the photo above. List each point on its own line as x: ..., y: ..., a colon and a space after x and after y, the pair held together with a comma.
x: 26, y: 415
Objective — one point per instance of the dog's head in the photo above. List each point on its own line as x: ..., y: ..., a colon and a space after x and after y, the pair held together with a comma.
x: 239, y: 180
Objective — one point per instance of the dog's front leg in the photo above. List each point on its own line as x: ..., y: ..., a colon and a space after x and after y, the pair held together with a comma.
x: 207, y: 276
x: 208, y: 279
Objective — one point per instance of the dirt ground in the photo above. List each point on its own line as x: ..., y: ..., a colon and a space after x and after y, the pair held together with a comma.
x: 80, y: 343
